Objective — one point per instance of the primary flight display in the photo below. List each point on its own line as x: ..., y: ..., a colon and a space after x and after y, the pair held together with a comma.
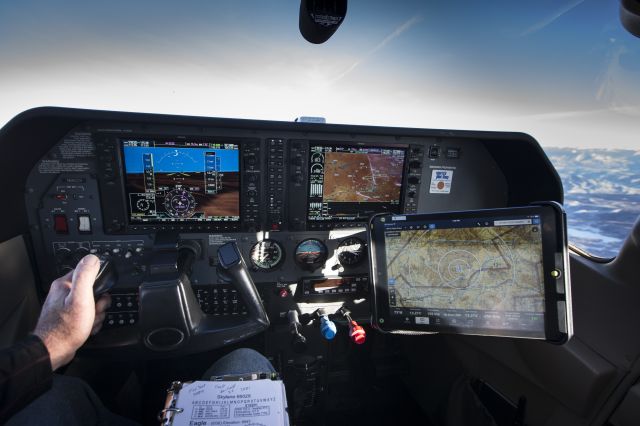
x: 181, y: 181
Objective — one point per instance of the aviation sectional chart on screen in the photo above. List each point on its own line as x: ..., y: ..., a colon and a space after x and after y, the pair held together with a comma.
x: 483, y: 268
x: 361, y: 177
x: 349, y: 183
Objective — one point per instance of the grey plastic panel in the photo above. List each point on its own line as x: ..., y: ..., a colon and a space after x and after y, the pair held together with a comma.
x: 605, y: 312
x: 478, y: 182
x: 628, y: 413
x: 572, y: 373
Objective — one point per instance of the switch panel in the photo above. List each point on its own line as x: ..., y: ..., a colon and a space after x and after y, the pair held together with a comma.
x: 84, y: 223
x: 60, y: 224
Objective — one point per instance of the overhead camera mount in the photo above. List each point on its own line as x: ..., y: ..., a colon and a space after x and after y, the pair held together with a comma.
x: 630, y: 16
x: 319, y: 19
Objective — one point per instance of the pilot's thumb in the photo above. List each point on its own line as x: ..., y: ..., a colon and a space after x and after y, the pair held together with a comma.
x: 83, y: 278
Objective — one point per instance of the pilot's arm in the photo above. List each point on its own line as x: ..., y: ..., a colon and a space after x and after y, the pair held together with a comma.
x: 69, y: 315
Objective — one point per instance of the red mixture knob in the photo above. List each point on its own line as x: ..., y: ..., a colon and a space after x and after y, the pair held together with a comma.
x: 357, y: 333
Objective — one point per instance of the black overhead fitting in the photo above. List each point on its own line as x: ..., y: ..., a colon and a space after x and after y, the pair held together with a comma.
x: 630, y: 16
x: 319, y: 19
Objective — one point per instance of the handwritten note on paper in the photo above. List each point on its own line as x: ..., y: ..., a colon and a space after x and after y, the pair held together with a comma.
x: 243, y: 403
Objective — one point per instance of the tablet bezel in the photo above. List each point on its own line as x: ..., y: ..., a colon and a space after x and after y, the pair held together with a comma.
x: 557, y: 314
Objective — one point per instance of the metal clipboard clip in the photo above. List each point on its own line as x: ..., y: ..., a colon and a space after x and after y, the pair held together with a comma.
x: 165, y: 416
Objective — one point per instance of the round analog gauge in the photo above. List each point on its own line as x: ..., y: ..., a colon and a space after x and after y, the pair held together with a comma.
x: 143, y: 205
x: 267, y: 254
x: 311, y: 253
x: 179, y: 203
x: 351, y: 251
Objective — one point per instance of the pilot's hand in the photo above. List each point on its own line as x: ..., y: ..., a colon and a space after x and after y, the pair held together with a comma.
x: 70, y: 314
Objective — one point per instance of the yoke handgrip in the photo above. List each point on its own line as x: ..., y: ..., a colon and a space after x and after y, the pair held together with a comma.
x: 230, y: 259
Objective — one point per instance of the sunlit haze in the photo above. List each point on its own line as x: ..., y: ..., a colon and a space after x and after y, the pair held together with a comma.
x: 565, y: 72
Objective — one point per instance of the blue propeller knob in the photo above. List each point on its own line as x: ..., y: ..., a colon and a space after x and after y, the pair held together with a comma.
x: 327, y: 327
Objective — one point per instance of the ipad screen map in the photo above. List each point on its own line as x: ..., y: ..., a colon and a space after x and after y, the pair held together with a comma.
x: 473, y: 273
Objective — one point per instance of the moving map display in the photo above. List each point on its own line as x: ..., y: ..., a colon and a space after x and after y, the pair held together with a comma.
x: 349, y: 183
x: 181, y: 181
x: 472, y: 273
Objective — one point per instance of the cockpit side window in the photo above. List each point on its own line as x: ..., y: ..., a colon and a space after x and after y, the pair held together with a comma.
x: 602, y: 196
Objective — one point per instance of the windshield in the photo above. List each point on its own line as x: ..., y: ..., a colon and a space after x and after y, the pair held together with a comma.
x: 565, y: 72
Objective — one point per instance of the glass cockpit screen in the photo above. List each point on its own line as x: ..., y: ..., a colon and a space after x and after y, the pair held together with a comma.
x: 477, y: 273
x: 181, y: 181
x: 349, y: 183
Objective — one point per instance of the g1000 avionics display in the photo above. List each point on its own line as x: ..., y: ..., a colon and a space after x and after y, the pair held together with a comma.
x: 181, y: 181
x: 348, y: 183
x: 494, y: 272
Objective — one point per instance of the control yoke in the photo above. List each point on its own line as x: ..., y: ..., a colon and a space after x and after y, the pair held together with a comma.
x: 170, y: 318
x: 231, y: 260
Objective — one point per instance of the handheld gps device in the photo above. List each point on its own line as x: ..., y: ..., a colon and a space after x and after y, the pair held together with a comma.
x: 500, y: 272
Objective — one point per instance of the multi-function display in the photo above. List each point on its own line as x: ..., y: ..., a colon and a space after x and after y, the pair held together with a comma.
x: 181, y: 180
x: 349, y: 183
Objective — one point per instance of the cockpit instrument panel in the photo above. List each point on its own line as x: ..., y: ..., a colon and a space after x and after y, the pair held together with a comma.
x: 295, y: 197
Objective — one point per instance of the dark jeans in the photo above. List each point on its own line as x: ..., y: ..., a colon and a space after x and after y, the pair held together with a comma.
x: 72, y: 402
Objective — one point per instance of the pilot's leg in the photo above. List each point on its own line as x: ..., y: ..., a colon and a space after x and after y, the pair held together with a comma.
x: 70, y: 401
x: 240, y: 361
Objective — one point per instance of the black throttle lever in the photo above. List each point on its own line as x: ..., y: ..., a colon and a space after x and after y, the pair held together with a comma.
x: 231, y: 261
x: 298, y: 341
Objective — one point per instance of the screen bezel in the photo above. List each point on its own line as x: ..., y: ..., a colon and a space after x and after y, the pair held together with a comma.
x: 555, y: 289
x: 206, y: 224
x: 360, y: 145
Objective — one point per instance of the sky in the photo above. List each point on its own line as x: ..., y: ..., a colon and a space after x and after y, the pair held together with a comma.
x: 564, y: 71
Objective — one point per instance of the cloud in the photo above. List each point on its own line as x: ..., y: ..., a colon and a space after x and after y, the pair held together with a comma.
x: 562, y: 115
x: 630, y: 111
x: 388, y: 39
x: 550, y: 19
